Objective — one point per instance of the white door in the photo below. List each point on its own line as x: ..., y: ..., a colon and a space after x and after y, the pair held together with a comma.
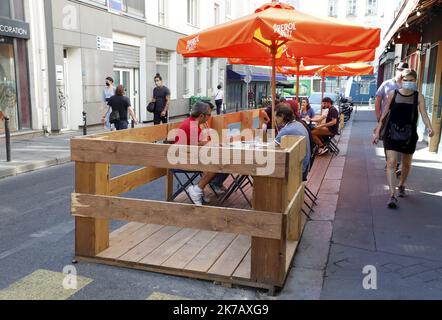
x: 130, y: 79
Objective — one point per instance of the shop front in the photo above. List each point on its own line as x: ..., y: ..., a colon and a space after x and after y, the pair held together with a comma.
x: 14, y: 80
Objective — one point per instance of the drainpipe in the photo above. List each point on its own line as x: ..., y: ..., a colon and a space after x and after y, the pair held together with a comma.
x: 55, y: 127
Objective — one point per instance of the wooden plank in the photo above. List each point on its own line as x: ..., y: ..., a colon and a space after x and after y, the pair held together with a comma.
x: 292, y: 246
x: 190, y: 250
x: 150, y: 244
x: 176, y: 272
x: 233, y: 118
x: 145, y: 134
x: 246, y: 222
x: 170, y: 247
x: 123, y: 232
x: 294, y: 215
x: 91, y: 234
x: 244, y: 269
x: 134, y: 180
x: 169, y: 185
x: 210, y: 254
x: 130, y: 242
x: 269, y: 255
x: 223, y: 160
x: 232, y: 257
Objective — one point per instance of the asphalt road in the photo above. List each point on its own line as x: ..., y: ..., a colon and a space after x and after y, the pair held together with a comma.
x: 37, y: 233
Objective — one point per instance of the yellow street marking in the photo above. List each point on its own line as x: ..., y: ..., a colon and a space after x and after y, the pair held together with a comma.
x: 163, y: 296
x: 42, y: 285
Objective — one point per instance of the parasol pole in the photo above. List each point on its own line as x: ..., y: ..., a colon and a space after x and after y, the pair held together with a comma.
x: 323, y: 85
x: 297, y: 81
x: 273, y: 50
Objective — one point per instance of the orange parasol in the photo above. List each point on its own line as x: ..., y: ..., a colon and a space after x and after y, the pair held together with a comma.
x: 277, y: 31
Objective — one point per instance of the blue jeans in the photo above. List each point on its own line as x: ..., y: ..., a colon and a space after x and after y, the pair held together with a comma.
x: 219, y: 180
x: 121, y: 125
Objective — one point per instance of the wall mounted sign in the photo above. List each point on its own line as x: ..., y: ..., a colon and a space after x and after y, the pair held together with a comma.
x: 14, y: 28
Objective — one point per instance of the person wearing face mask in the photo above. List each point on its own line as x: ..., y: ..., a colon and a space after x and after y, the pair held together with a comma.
x: 161, y: 98
x: 108, y: 92
x: 382, y: 98
x: 401, y: 137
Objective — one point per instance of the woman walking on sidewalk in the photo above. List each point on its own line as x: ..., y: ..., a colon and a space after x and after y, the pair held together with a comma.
x: 400, y: 131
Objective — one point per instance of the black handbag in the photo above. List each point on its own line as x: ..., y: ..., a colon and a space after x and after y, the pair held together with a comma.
x: 114, y: 117
x: 384, y: 126
x: 151, y: 107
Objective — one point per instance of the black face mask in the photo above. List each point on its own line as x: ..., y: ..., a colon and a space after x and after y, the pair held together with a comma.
x: 107, y: 84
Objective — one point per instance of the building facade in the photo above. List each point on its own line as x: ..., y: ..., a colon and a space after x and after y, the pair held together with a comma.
x: 73, y: 45
x: 14, y: 67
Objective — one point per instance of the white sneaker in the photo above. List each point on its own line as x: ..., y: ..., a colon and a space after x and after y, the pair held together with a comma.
x: 322, y: 151
x: 196, y: 194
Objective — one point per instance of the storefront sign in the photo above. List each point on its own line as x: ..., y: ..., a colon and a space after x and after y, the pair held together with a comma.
x: 105, y: 44
x: 14, y: 28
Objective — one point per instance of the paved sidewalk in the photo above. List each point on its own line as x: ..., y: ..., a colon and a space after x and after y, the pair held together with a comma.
x: 33, y: 153
x: 404, y: 245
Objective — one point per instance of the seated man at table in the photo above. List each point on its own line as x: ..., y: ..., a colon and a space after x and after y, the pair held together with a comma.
x: 285, y: 118
x: 329, y: 128
x: 217, y: 183
x: 190, y: 134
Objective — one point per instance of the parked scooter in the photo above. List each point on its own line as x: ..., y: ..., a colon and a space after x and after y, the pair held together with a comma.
x: 346, y: 108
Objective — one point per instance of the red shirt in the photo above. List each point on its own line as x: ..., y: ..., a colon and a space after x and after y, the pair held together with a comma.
x: 189, y: 133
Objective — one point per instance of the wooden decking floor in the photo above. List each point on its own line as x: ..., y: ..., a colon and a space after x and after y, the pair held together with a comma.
x: 205, y: 255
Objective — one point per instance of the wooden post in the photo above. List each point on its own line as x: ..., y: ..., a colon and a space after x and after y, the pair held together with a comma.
x: 91, y: 235
x: 294, y: 186
x: 169, y: 185
x: 437, y: 121
x: 269, y: 255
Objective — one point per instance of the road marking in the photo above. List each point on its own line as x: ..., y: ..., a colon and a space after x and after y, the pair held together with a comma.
x: 42, y: 285
x: 163, y: 296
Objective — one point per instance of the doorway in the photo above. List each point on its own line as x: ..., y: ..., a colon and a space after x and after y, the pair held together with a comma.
x: 130, y: 79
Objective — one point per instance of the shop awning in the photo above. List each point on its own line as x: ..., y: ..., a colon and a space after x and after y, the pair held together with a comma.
x: 407, y: 8
x: 256, y: 76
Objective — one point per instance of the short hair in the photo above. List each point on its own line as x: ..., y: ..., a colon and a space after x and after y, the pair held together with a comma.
x: 199, y: 108
x: 210, y: 104
x: 286, y: 112
x: 119, y: 91
x: 158, y: 76
x: 327, y: 99
x: 409, y: 72
x: 110, y: 79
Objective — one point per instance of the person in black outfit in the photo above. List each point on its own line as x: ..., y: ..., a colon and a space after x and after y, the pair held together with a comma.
x: 121, y: 104
x: 401, y: 136
x: 161, y: 98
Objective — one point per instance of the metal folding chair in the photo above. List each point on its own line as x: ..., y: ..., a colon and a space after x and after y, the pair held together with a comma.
x: 239, y: 183
x: 184, y: 182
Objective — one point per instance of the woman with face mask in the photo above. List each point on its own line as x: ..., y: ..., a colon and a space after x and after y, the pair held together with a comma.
x: 108, y: 92
x: 401, y: 115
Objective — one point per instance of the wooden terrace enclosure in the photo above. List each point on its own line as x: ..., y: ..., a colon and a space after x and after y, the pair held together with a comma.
x: 232, y: 244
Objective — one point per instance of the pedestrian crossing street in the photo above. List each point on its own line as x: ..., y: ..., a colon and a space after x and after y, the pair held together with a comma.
x: 49, y: 285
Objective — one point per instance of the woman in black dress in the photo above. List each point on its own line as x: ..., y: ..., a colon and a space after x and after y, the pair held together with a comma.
x: 401, y: 135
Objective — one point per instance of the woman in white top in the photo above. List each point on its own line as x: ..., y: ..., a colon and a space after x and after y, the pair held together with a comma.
x: 219, y: 98
x: 108, y: 92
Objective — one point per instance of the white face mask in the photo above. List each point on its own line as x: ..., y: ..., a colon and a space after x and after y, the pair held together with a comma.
x: 409, y: 85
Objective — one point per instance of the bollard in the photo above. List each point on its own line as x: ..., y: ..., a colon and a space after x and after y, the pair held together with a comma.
x: 84, y: 123
x: 8, y: 140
